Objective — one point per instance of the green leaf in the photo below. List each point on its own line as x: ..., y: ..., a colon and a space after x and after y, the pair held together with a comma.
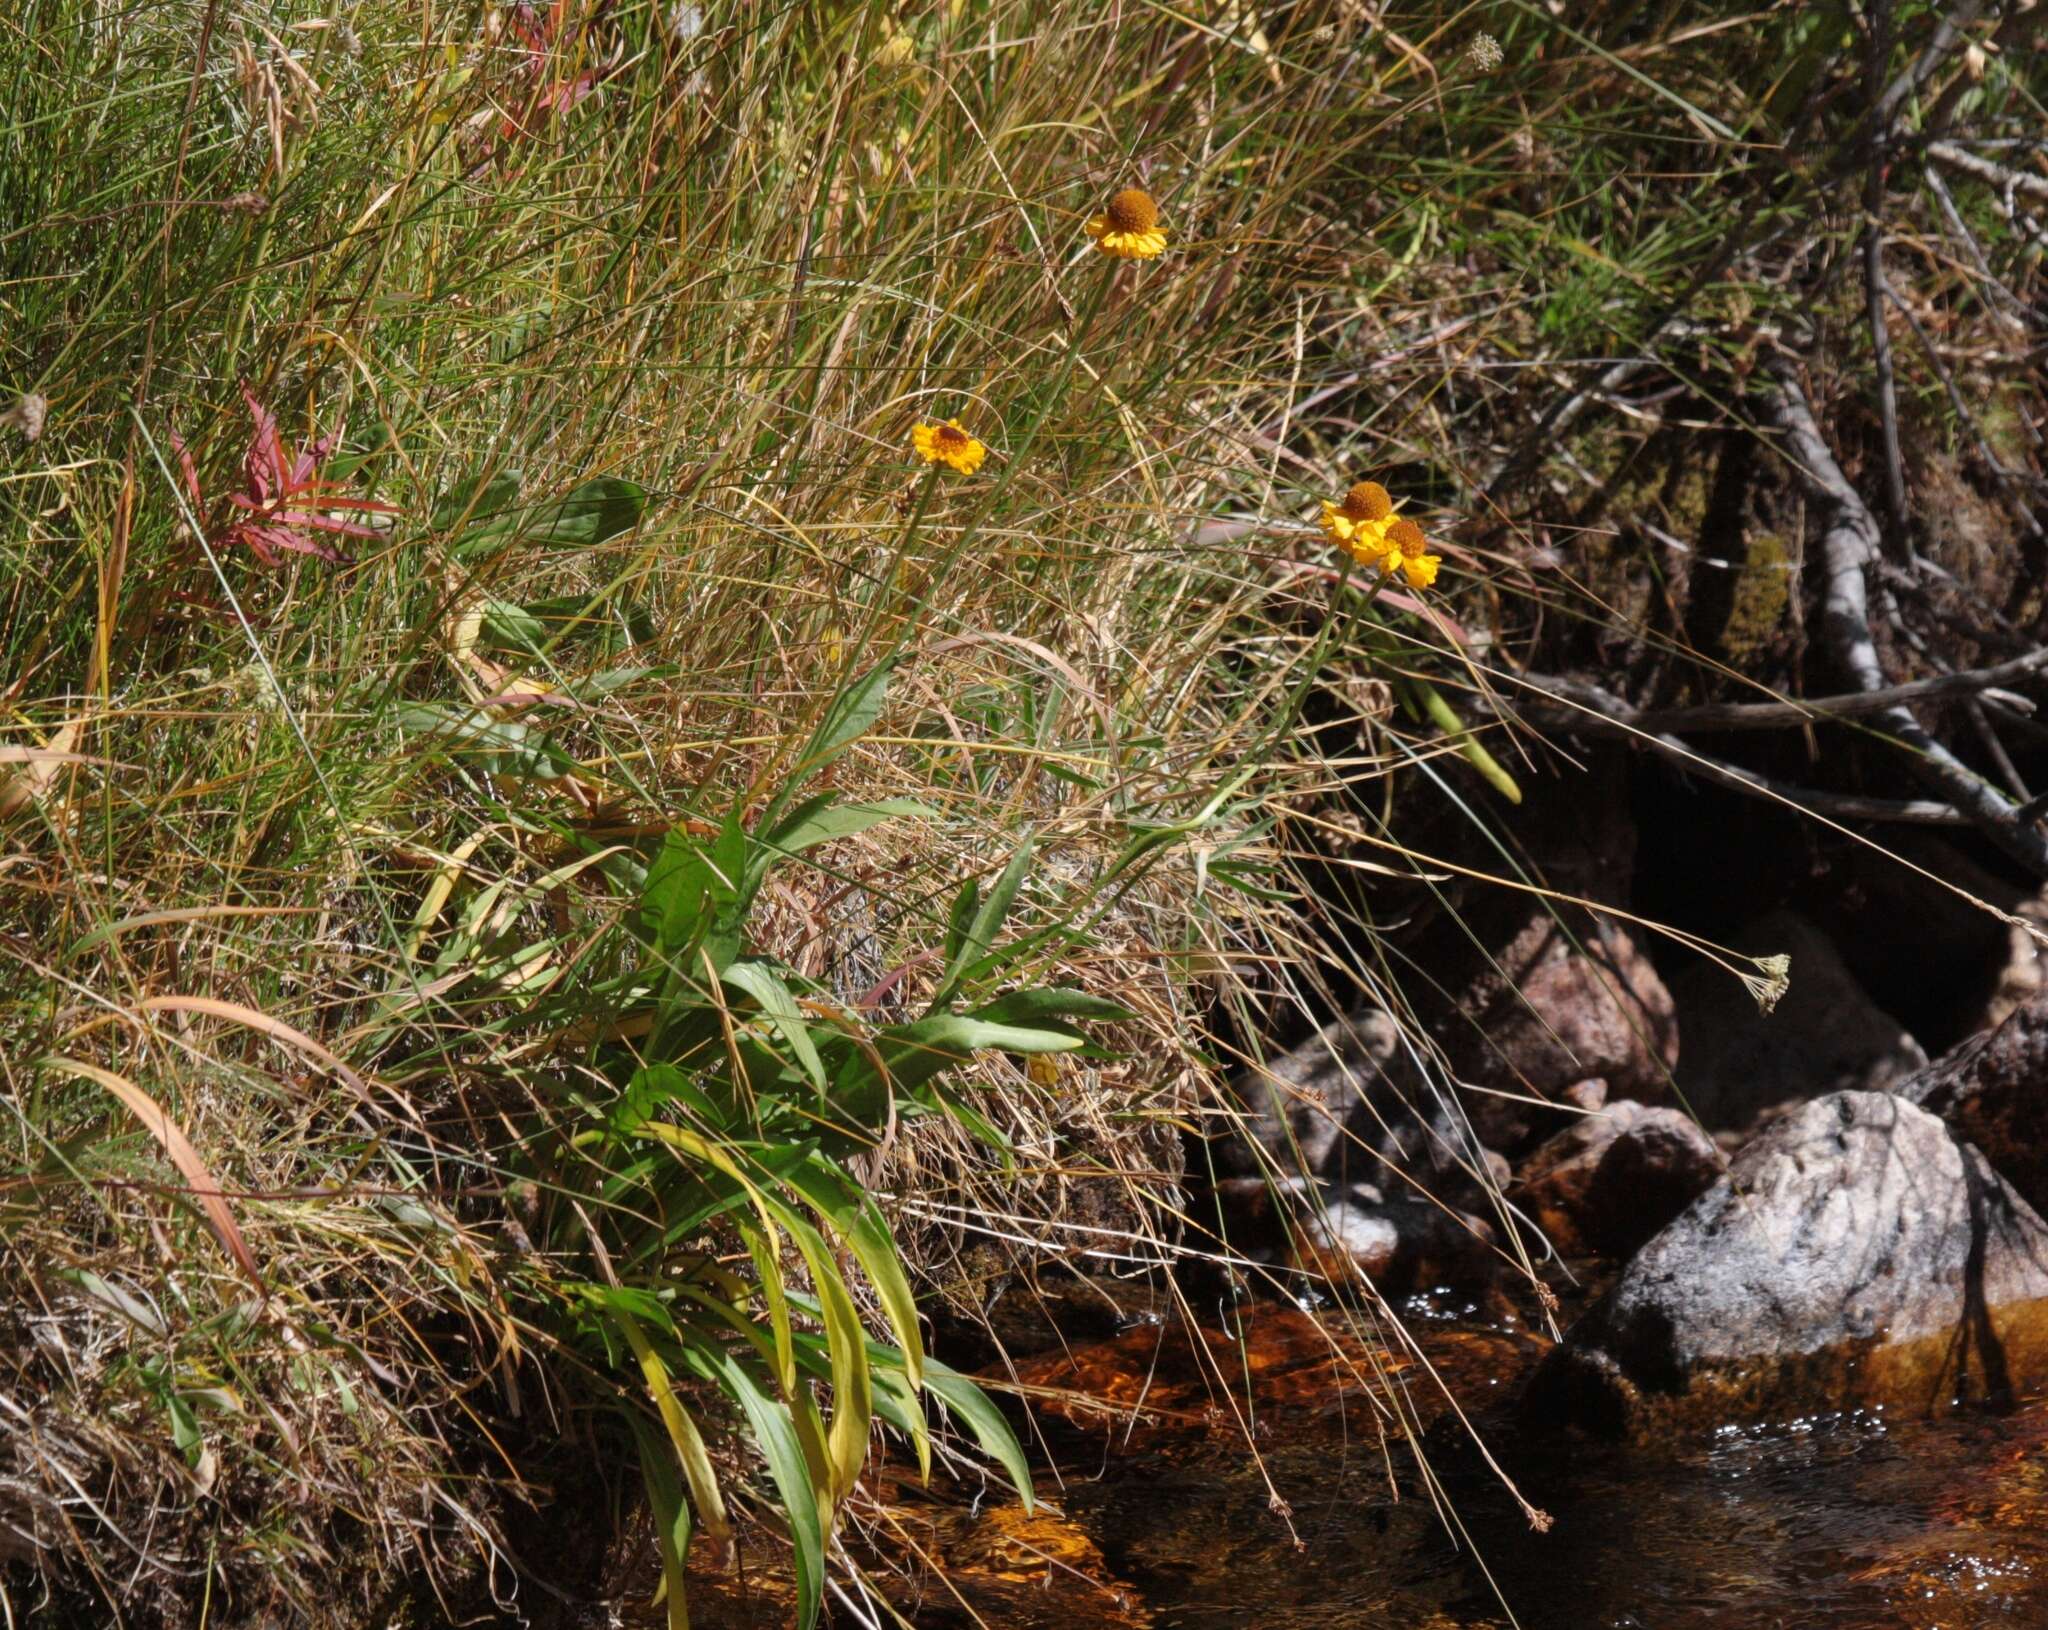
x: 958, y: 1035
x: 514, y: 628
x: 682, y: 1431
x: 978, y: 1126
x: 984, y: 1420
x: 912, y: 1054
x: 185, y: 1431
x: 853, y: 1403
x: 498, y: 746
x: 896, y: 1401
x: 856, y: 1219
x: 763, y: 1245
x: 671, y: 1516
x: 960, y: 921
x: 1025, y: 1006
x: 592, y: 513
x: 822, y: 819
x: 654, y: 1085
x: 852, y: 714
x: 775, y: 1435
x: 691, y: 884
x: 779, y: 1008
x: 483, y: 502
x: 970, y: 945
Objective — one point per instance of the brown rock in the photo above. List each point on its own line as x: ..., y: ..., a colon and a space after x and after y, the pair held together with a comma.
x: 1611, y: 1180
x: 1586, y: 1095
x: 1825, y: 1035
x: 1572, y: 1001
x: 1993, y: 1090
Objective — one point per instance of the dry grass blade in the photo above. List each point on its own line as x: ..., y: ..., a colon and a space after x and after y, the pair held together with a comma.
x: 204, y: 1187
x: 276, y: 1029
x: 24, y: 787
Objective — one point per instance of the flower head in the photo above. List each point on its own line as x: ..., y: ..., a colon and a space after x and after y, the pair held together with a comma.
x: 1408, y: 549
x: 1358, y: 525
x: 1128, y: 227
x: 1363, y: 524
x: 948, y: 444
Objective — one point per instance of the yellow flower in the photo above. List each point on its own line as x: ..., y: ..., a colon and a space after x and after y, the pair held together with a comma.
x: 1128, y: 227
x: 1359, y: 524
x: 948, y: 444
x: 1409, y: 549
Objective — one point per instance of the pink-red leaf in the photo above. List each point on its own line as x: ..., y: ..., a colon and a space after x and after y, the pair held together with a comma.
x: 167, y: 1132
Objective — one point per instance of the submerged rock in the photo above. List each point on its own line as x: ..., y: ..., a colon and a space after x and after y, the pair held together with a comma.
x: 1352, y: 1232
x: 1856, y: 1254
x: 1406, y: 1246
x: 1612, y: 1179
x: 1825, y: 1035
x: 1990, y: 1089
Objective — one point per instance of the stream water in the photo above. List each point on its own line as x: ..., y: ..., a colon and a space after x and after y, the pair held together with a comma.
x: 1159, y: 1515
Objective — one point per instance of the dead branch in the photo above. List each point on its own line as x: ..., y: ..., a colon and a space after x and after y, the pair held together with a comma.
x: 1579, y: 705
x: 1722, y: 716
x: 1849, y: 545
x: 2008, y: 182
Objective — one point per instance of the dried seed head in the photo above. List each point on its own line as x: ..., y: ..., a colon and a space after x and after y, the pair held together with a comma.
x: 27, y: 416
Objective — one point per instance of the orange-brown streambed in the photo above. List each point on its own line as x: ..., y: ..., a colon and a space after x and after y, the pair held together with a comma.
x: 1155, y: 1513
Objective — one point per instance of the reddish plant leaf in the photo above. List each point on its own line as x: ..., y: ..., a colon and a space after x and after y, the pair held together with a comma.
x: 166, y: 1131
x: 285, y: 499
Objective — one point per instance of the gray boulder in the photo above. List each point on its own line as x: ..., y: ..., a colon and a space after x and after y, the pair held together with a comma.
x: 1297, y: 1106
x: 1351, y: 1105
x: 1856, y: 1254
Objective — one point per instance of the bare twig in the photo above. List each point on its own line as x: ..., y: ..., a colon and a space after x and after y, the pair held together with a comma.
x: 1587, y: 707
x: 1849, y: 544
x: 1949, y: 36
x: 1876, y: 164
x: 2008, y: 182
x: 2008, y: 304
x: 1725, y: 716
